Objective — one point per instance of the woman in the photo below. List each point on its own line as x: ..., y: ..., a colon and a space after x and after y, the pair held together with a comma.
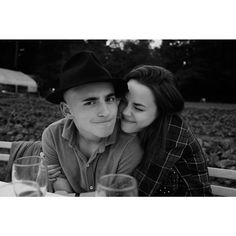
x: 173, y: 162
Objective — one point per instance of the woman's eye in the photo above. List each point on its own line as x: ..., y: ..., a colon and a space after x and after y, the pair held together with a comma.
x: 138, y: 109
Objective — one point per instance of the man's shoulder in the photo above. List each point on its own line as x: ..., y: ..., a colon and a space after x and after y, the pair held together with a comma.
x: 127, y: 139
x: 56, y: 126
x: 54, y: 131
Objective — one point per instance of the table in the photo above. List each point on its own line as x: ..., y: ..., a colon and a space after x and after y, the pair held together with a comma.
x: 6, y: 190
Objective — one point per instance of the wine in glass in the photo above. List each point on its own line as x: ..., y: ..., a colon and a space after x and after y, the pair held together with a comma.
x: 116, y: 185
x: 27, y: 188
x: 30, y: 168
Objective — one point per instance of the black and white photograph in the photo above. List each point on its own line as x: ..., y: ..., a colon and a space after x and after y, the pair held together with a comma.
x: 117, y: 118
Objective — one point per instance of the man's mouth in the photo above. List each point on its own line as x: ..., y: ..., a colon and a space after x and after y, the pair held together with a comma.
x: 104, y: 121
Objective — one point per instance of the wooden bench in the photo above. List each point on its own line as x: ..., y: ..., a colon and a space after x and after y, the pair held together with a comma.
x: 213, y: 172
x: 222, y: 174
x: 7, y: 146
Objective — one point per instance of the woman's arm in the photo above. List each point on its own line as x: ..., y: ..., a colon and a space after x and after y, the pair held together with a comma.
x: 192, y: 167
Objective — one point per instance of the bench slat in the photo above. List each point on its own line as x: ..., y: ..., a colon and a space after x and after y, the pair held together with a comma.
x: 4, y: 144
x: 4, y: 157
x: 222, y: 173
x: 223, y: 191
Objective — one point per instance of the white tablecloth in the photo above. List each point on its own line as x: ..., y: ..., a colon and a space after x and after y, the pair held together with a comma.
x: 6, y: 190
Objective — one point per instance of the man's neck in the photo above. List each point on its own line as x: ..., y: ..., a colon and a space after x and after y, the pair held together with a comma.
x: 88, y: 146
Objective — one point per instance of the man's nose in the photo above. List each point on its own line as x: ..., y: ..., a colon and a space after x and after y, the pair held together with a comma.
x: 103, y: 110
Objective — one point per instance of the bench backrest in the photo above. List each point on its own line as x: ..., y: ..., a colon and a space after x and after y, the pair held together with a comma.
x: 6, y: 146
x: 223, y: 174
x: 213, y: 172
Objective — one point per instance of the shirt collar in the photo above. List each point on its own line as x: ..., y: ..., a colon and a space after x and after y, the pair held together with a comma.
x: 70, y: 133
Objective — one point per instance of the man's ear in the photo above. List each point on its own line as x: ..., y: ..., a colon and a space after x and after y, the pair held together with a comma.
x: 65, y: 110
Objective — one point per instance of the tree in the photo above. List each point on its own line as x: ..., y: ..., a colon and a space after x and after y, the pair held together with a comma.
x: 203, y: 68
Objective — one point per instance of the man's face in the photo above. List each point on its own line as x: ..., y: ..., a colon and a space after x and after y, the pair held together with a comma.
x: 93, y: 108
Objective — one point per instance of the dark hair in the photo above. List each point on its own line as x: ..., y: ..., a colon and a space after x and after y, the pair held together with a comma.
x: 168, y: 100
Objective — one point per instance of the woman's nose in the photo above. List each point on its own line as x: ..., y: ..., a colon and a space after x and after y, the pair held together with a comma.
x: 126, y: 111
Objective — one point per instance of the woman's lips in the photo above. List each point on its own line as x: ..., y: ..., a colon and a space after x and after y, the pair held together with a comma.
x: 128, y: 121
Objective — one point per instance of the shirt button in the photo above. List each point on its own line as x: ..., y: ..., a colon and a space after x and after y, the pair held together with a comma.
x: 91, y: 187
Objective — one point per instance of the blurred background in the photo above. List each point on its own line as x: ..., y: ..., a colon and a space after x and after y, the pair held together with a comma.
x: 205, y: 73
x: 203, y: 68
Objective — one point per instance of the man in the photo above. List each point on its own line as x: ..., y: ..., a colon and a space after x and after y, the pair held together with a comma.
x: 88, y: 143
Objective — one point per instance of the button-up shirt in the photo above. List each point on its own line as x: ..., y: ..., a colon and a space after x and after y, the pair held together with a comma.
x: 118, y: 153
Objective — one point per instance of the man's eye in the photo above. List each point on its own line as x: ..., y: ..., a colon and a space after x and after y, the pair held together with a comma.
x: 89, y: 103
x: 111, y: 99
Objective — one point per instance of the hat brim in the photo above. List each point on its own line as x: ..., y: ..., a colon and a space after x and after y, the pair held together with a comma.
x: 120, y: 87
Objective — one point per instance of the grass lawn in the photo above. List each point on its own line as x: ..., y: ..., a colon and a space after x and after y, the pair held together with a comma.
x: 206, y: 105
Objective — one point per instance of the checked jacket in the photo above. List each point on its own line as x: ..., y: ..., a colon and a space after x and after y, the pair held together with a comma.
x: 182, y: 172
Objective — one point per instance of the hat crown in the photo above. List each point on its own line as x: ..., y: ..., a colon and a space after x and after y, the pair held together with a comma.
x: 83, y: 67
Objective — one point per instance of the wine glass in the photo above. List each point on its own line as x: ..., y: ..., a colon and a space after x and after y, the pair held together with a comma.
x: 116, y: 185
x: 30, y: 168
x: 27, y: 188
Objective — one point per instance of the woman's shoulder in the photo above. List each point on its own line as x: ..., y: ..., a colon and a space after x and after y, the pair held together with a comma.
x: 176, y: 120
x: 179, y: 132
x: 177, y: 125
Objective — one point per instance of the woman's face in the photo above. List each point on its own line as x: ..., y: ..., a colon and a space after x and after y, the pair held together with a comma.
x: 140, y: 109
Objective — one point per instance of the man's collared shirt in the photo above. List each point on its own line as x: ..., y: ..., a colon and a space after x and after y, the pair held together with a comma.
x: 118, y: 153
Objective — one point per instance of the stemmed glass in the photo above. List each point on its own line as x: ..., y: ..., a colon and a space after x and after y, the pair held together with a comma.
x: 116, y: 185
x: 28, y: 174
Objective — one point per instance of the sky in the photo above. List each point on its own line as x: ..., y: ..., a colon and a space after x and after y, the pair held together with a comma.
x: 156, y: 43
x: 153, y: 44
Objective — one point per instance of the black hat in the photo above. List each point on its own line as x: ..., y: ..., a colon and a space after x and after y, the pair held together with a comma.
x: 83, y: 68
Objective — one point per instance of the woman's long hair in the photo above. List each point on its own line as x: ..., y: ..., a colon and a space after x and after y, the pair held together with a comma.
x: 168, y: 100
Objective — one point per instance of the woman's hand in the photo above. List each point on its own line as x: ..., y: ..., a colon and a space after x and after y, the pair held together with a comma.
x: 53, y: 172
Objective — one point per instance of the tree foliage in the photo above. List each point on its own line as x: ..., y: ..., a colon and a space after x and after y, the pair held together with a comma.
x: 203, y: 68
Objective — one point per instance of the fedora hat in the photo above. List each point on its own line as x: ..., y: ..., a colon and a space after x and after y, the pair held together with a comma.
x: 83, y: 68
